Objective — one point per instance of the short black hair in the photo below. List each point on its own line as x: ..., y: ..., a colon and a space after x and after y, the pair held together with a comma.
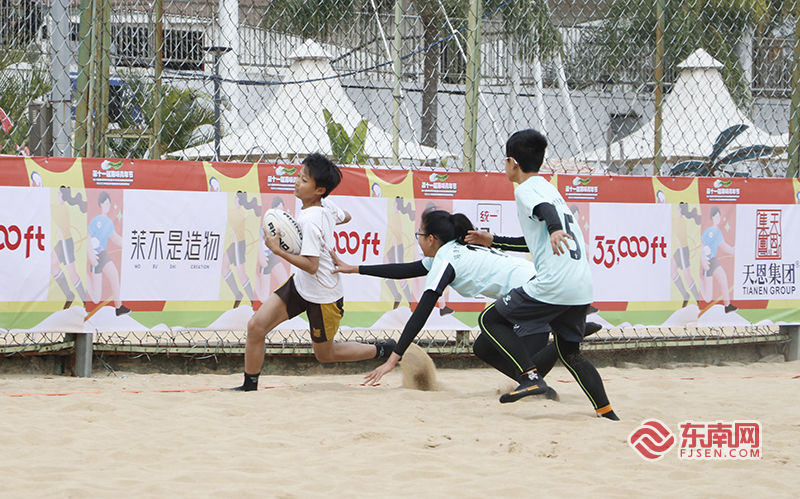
x: 527, y: 148
x: 324, y: 172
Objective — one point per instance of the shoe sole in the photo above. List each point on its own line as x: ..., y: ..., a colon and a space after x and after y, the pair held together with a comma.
x: 525, y: 392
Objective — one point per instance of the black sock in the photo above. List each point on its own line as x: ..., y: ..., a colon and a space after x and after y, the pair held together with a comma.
x: 250, y: 382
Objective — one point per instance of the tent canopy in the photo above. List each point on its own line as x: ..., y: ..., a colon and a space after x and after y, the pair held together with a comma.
x: 293, y: 125
x: 697, y: 109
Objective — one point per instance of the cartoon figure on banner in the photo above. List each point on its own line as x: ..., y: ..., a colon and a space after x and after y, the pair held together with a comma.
x: 234, y: 257
x: 680, y: 266
x: 64, y: 250
x: 101, y: 230
x: 713, y: 240
x: 441, y: 303
x: 402, y: 213
x: 36, y: 180
x: 272, y: 269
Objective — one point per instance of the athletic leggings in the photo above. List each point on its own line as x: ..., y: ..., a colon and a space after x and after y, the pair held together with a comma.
x: 511, y: 355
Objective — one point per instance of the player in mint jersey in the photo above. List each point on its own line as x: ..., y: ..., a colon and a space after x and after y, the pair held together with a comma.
x: 561, y: 292
x: 470, y: 270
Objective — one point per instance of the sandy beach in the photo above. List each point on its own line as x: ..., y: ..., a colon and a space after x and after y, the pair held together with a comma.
x: 158, y: 435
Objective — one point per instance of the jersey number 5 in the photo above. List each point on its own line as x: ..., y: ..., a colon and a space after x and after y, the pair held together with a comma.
x: 576, y: 253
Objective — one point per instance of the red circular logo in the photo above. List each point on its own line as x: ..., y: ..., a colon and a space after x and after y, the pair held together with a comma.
x: 652, y: 440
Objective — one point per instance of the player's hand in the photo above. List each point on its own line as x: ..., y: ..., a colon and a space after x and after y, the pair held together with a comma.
x: 92, y: 257
x: 273, y: 242
x: 375, y: 376
x: 341, y: 267
x: 480, y: 237
x: 558, y: 238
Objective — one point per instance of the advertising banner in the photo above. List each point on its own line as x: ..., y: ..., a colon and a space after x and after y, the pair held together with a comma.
x: 99, y: 245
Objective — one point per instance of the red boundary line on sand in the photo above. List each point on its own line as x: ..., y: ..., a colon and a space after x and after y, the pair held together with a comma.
x: 174, y: 390
x: 180, y: 390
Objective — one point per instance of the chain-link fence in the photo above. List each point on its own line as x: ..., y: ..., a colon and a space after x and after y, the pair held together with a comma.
x: 621, y: 87
x: 444, y: 81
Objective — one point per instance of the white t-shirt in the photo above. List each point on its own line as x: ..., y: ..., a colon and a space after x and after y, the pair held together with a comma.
x: 564, y: 279
x: 317, y: 224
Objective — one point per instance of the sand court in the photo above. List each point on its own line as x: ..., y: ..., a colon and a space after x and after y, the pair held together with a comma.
x: 159, y: 435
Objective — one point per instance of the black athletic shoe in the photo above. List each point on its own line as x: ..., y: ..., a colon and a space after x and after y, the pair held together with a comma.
x: 238, y: 389
x: 445, y: 310
x: 591, y: 328
x: 122, y: 310
x: 731, y: 308
x: 609, y: 415
x: 532, y: 384
x: 551, y: 394
x: 385, y: 349
x: 592, y: 310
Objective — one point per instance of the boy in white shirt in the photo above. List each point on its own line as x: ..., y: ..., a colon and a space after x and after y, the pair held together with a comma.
x: 314, y: 289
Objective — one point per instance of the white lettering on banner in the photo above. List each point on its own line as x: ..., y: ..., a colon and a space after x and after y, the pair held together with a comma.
x: 173, y: 244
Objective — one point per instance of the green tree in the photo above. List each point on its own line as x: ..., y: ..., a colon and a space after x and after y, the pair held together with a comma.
x: 18, y: 88
x: 322, y: 20
x: 182, y: 112
x: 717, y: 26
x: 347, y: 149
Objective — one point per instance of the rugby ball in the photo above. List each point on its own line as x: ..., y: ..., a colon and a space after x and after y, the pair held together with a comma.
x: 280, y: 222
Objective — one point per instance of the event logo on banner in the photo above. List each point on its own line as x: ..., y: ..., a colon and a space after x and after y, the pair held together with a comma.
x: 767, y: 252
x: 629, y: 251
x: 172, y: 243
x: 24, y: 243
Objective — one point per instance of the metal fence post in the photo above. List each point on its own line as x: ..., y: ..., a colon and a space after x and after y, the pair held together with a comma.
x: 793, y: 351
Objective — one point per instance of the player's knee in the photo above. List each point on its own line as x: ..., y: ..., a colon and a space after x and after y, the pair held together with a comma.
x: 256, y: 328
x: 325, y: 357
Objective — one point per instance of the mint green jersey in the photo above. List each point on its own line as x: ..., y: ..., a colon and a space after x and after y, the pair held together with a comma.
x: 476, y: 270
x: 560, y: 279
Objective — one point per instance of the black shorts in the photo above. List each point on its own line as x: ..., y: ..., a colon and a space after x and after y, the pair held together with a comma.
x: 681, y: 257
x: 567, y: 321
x: 236, y: 252
x: 272, y: 261
x: 65, y: 251
x: 323, y: 319
x: 102, y: 260
x: 713, y: 263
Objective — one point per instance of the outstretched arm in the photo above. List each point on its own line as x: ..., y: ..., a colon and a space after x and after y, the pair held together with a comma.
x: 412, y: 329
x: 505, y: 243
x: 387, y: 271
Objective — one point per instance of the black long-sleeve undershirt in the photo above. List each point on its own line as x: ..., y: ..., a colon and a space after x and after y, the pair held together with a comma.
x: 548, y: 213
x: 542, y: 211
x: 394, y: 270
x: 507, y: 243
x: 426, y: 303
